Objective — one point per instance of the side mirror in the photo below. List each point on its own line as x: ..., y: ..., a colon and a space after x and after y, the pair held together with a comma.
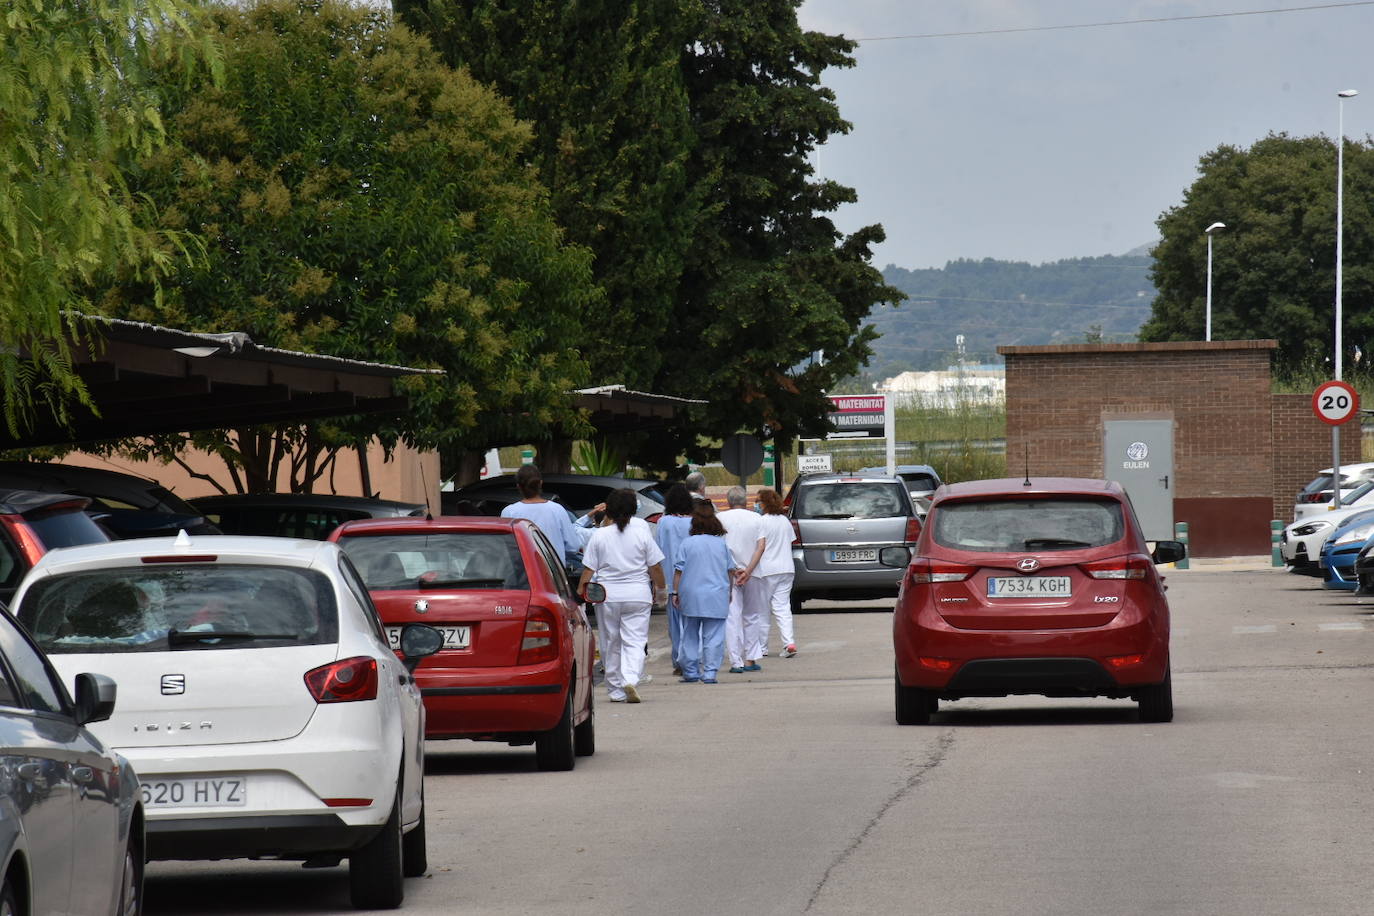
x: 895, y: 557
x: 95, y: 698
x: 1169, y: 551
x: 595, y: 593
x: 419, y: 641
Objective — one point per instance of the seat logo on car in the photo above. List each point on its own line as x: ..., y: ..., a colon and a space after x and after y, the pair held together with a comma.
x: 173, y: 684
x: 421, y: 606
x: 1028, y: 564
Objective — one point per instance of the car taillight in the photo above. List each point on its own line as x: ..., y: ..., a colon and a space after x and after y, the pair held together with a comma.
x: 913, y: 529
x: 925, y: 572
x: 1117, y: 568
x: 796, y: 533
x: 344, y: 681
x: 653, y: 519
x: 30, y: 547
x: 541, y: 637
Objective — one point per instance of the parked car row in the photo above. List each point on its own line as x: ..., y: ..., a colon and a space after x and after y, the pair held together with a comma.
x: 275, y: 692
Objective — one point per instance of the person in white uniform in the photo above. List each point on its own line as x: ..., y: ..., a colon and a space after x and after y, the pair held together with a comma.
x: 746, y: 609
x: 625, y: 560
x: 772, y: 574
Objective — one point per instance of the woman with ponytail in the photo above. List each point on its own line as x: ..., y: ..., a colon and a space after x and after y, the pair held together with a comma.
x: 624, y: 559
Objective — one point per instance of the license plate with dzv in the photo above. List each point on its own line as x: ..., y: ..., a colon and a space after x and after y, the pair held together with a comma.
x: 454, y: 637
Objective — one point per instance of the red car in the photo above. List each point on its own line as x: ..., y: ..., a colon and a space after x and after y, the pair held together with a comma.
x: 32, y: 523
x: 518, y: 651
x: 1037, y: 586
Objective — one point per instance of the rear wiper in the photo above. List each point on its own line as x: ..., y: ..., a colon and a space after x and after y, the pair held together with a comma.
x: 185, y: 637
x: 1054, y: 543
x: 462, y: 583
x: 832, y: 515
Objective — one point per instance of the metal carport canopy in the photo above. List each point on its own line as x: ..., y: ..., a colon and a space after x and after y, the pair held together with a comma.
x: 146, y: 379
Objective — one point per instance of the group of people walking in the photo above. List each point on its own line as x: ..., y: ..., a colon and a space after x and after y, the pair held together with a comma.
x: 719, y: 576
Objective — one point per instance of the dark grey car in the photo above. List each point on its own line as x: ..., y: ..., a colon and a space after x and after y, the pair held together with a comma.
x: 71, y: 817
x: 843, y: 522
x: 297, y: 515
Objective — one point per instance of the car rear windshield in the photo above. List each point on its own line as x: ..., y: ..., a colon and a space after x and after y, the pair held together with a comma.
x: 65, y: 528
x: 919, y: 481
x: 450, y: 560
x: 1028, y: 524
x: 176, y: 607
x: 852, y: 499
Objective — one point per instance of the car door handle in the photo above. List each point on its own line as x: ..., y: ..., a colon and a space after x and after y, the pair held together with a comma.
x: 29, y: 771
x: 82, y: 775
x: 1165, y: 480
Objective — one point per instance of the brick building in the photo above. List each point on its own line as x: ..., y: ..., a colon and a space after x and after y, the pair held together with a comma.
x: 1239, y: 452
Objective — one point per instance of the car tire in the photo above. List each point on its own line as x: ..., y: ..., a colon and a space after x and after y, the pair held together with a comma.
x: 414, y: 856
x: 796, y: 602
x: 914, y: 704
x: 553, y: 749
x: 9, y: 904
x: 1157, y: 700
x: 376, y: 875
x: 584, y: 735
x: 131, y: 885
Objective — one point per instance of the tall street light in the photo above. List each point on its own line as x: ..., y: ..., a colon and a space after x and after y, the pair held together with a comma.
x: 1208, y: 232
x: 1340, y: 203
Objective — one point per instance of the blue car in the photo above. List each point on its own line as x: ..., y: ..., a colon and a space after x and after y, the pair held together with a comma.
x: 1341, y: 549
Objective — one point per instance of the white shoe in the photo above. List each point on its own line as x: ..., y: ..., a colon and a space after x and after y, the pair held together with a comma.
x: 631, y: 694
x: 790, y: 650
x: 645, y: 678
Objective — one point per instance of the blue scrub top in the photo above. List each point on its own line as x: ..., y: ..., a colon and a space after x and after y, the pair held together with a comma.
x: 705, y: 562
x: 672, y: 531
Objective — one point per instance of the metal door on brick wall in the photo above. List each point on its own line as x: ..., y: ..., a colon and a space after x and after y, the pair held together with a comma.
x: 1139, y: 454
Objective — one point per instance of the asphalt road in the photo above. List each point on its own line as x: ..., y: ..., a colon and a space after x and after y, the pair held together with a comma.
x: 793, y: 791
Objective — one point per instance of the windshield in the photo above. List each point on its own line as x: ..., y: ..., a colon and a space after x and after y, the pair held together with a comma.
x: 1358, y: 493
x: 178, y: 607
x: 450, y: 560
x: 1029, y: 524
x: 853, y: 499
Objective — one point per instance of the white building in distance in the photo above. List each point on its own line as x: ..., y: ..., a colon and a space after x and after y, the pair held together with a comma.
x: 947, y: 388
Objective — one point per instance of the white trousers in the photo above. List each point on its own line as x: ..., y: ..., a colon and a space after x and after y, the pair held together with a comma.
x: 746, y: 629
x: 776, y: 594
x: 622, y: 628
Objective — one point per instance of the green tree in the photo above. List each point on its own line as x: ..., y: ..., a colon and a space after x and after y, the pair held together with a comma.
x: 675, y: 135
x: 769, y: 279
x: 359, y: 198
x: 601, y: 84
x: 1273, y: 270
x: 75, y: 99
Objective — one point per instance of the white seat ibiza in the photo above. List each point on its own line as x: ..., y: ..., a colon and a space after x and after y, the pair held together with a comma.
x: 259, y: 700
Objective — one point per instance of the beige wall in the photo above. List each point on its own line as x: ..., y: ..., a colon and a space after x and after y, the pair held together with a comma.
x: 407, y: 476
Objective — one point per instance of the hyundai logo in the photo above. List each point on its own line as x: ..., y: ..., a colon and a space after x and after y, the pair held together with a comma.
x: 1028, y: 564
x: 173, y: 684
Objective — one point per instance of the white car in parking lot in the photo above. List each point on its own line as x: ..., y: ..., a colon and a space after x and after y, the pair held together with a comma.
x: 1301, y: 543
x: 259, y: 700
x: 1357, y: 484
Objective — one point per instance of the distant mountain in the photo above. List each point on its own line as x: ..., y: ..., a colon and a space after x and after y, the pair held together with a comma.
x: 993, y: 303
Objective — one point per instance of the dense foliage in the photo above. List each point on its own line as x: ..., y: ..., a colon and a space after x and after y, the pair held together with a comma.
x: 675, y: 136
x: 75, y: 99
x: 1274, y: 267
x: 359, y: 198
x: 994, y: 303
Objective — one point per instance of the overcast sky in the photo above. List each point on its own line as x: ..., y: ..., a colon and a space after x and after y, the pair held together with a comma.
x: 1036, y: 146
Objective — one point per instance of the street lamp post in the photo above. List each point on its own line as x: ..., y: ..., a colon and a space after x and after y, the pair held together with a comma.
x: 1340, y: 203
x: 1208, y: 232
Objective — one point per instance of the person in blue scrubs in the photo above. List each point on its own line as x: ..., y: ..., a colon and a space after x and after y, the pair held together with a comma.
x: 703, y: 574
x: 555, y: 521
x: 674, y: 527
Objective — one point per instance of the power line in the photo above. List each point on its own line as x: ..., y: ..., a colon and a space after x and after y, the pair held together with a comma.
x: 1116, y: 22
x: 936, y: 299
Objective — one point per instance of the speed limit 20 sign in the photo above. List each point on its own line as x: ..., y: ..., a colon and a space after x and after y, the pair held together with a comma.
x: 1335, y: 402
